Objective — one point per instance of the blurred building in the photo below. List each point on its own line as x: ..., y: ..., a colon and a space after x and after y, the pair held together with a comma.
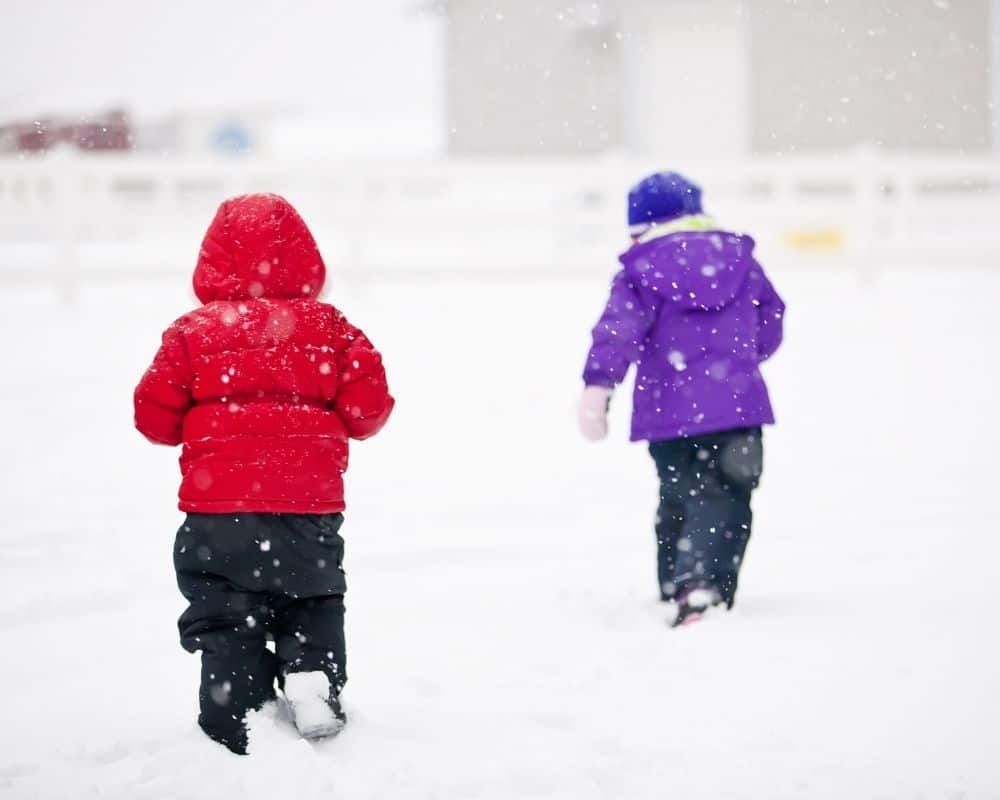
x: 108, y: 131
x: 720, y: 77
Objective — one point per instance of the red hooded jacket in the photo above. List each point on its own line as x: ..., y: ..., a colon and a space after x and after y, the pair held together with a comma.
x: 263, y: 384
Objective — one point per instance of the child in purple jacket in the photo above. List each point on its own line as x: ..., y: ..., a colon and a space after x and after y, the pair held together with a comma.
x: 693, y: 310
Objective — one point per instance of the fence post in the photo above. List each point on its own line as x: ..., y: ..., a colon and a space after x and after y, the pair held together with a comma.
x: 866, y: 175
x: 67, y: 196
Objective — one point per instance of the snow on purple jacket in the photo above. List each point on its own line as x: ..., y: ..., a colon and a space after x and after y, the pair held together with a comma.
x: 696, y: 314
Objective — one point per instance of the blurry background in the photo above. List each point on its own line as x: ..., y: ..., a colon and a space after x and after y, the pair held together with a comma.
x: 717, y: 78
x: 823, y: 126
x: 464, y: 165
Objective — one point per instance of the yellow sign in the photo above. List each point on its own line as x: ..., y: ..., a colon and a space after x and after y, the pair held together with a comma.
x: 815, y: 239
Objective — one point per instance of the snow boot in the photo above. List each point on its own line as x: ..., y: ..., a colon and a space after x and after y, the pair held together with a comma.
x: 313, y: 706
x: 694, y: 601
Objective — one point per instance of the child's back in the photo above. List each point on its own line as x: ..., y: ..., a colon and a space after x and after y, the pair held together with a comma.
x: 696, y: 314
x: 263, y: 384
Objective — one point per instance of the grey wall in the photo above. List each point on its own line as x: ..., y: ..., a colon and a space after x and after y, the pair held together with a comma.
x: 532, y: 77
x: 901, y: 74
x: 703, y: 78
x: 995, y: 71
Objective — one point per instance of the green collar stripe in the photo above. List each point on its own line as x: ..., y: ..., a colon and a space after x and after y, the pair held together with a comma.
x: 691, y: 222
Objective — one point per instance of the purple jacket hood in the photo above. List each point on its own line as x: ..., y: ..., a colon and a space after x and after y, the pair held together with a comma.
x: 693, y: 270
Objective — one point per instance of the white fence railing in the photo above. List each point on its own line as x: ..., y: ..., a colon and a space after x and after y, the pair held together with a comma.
x: 68, y: 219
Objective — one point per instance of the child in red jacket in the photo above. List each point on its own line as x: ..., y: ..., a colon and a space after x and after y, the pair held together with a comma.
x: 263, y: 385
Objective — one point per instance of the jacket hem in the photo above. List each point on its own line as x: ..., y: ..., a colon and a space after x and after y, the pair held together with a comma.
x: 694, y: 429
x: 259, y: 507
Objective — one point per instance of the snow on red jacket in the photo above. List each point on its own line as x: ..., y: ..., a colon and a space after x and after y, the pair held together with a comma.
x: 263, y: 384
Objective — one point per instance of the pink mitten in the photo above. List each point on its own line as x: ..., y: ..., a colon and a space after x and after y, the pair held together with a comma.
x: 593, y: 414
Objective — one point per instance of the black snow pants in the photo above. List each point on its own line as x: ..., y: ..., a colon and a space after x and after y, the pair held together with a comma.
x: 254, y: 580
x: 704, y: 518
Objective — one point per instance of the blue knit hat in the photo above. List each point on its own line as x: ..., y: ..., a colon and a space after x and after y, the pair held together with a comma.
x: 660, y: 197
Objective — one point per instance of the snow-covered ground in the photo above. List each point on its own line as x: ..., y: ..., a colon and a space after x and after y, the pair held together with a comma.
x: 503, y: 634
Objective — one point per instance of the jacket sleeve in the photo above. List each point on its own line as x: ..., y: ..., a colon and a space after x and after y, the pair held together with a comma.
x: 362, y: 400
x: 618, y: 336
x: 771, y: 315
x: 163, y: 396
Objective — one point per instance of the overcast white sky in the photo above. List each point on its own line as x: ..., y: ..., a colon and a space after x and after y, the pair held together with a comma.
x: 363, y: 59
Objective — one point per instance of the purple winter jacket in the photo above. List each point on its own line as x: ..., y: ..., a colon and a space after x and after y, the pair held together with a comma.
x: 696, y: 314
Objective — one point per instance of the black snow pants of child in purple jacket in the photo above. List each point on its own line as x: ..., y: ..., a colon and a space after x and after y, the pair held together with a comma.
x: 704, y: 518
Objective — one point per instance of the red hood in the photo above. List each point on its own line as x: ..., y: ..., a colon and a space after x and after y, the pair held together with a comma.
x: 258, y: 246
